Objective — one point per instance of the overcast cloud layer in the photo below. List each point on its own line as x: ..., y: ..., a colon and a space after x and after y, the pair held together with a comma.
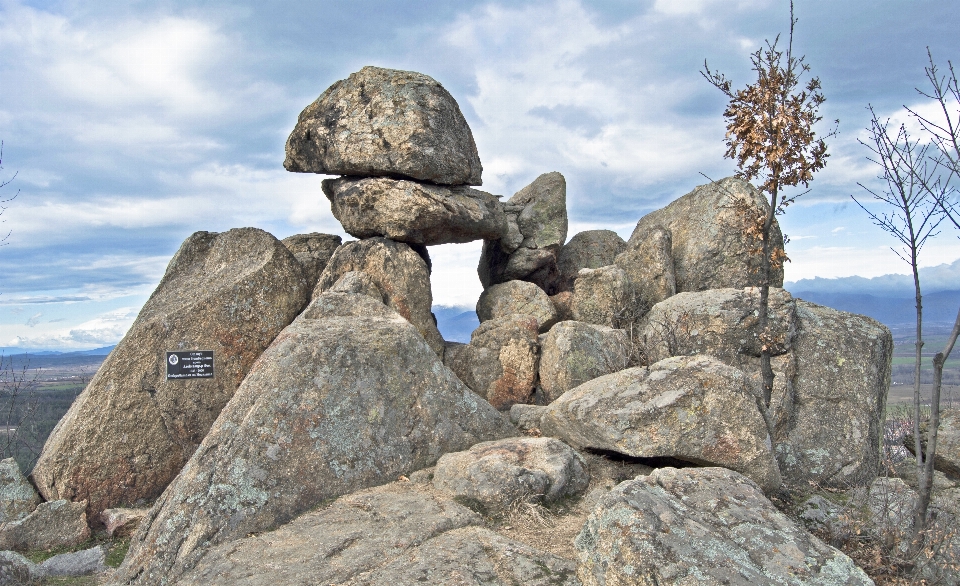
x: 132, y: 125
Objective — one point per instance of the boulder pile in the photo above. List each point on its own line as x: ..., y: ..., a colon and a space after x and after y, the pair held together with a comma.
x: 611, y: 384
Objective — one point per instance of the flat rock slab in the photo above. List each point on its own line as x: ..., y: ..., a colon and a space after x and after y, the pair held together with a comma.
x: 385, y: 122
x: 693, y: 408
x: 75, y: 563
x: 394, y: 534
x: 413, y: 211
x: 132, y: 429
x: 498, y: 474
x: 52, y: 524
x: 17, y: 496
x: 702, y: 526
x: 348, y: 396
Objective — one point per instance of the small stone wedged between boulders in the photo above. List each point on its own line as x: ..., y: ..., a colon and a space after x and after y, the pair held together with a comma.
x: 122, y: 522
x: 517, y: 298
x: 132, y: 429
x: 702, y: 526
x: 574, y: 352
x: 500, y: 474
x: 52, y: 524
x: 414, y: 212
x: 385, y: 122
x: 312, y: 251
x: 348, y: 396
x: 17, y: 496
x: 711, y: 246
x: 591, y: 249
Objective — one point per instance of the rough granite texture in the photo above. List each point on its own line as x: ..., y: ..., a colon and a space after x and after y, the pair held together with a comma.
x: 348, y: 396
x: 312, y: 251
x: 710, y: 248
x: 648, y: 264
x: 601, y: 296
x: 591, y: 249
x: 517, y: 298
x: 574, y: 352
x: 52, y: 524
x: 412, y: 211
x: 398, y: 271
x: 129, y: 433
x: 121, y: 522
x: 385, y: 122
x: 702, y: 526
x: 947, y: 457
x: 17, y: 496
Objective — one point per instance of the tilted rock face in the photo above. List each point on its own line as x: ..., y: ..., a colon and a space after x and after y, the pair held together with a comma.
x: 129, y: 433
x: 587, y: 250
x: 385, y: 122
x: 573, y: 353
x: 312, y: 251
x: 947, y: 457
x: 501, y: 361
x: 843, y: 374
x: 536, y: 229
x: 398, y: 271
x: 649, y: 268
x: 17, y: 495
x: 693, y: 408
x: 500, y: 473
x: 517, y: 298
x: 601, y: 296
x: 348, y: 396
x: 53, y: 524
x: 414, y: 212
x: 710, y: 247
x: 702, y: 526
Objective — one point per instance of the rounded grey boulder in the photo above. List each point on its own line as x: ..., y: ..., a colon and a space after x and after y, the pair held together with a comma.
x: 385, y: 122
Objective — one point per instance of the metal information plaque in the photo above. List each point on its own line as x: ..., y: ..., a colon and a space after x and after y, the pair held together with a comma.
x: 190, y: 364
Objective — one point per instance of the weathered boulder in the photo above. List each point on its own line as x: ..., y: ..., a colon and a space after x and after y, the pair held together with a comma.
x: 348, y: 396
x: 702, y: 526
x: 17, y: 570
x: 398, y: 271
x: 536, y: 229
x: 574, y: 352
x: 75, y: 563
x: 497, y: 474
x: 711, y: 247
x: 385, y: 122
x: 649, y: 268
x: 947, y: 457
x: 691, y: 408
x: 312, y: 251
x: 400, y: 533
x: 563, y: 304
x: 833, y: 434
x: 587, y: 250
x: 517, y: 298
x: 122, y: 522
x: 501, y: 361
x: 601, y: 296
x: 52, y: 524
x: 17, y: 496
x: 414, y: 212
x: 129, y: 433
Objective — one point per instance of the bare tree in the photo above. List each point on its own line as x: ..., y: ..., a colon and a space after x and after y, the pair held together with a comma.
x: 770, y: 135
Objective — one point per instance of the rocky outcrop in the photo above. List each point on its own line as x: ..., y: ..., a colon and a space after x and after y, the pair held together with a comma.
x: 702, y: 526
x: 536, y: 229
x: 517, y: 298
x: 312, y: 251
x: 601, y: 296
x: 385, y: 122
x: 499, y: 474
x: 348, y: 396
x: 648, y: 264
x: 398, y: 271
x: 587, y: 250
x: 52, y: 524
x: 122, y: 522
x: 413, y: 211
x: 17, y: 496
x: 501, y: 361
x: 691, y: 408
x: 711, y: 248
x: 129, y: 433
x: 947, y: 457
x: 573, y: 353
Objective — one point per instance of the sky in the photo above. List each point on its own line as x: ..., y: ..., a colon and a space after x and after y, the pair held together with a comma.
x: 127, y: 126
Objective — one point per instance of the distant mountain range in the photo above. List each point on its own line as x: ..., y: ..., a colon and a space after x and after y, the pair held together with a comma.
x: 16, y: 351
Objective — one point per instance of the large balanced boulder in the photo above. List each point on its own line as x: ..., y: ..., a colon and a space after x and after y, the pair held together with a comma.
x: 398, y: 271
x: 312, y: 251
x: 17, y: 496
x: 587, y: 250
x: 414, y: 212
x: 132, y: 429
x: 536, y: 229
x: 835, y: 428
x: 648, y: 265
x: 702, y: 526
x: 348, y: 396
x: 385, y: 122
x: 574, y: 352
x: 499, y: 474
x: 517, y: 298
x: 712, y: 242
x: 690, y: 408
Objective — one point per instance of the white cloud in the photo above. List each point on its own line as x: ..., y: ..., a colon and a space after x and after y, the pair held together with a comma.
x: 105, y: 329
